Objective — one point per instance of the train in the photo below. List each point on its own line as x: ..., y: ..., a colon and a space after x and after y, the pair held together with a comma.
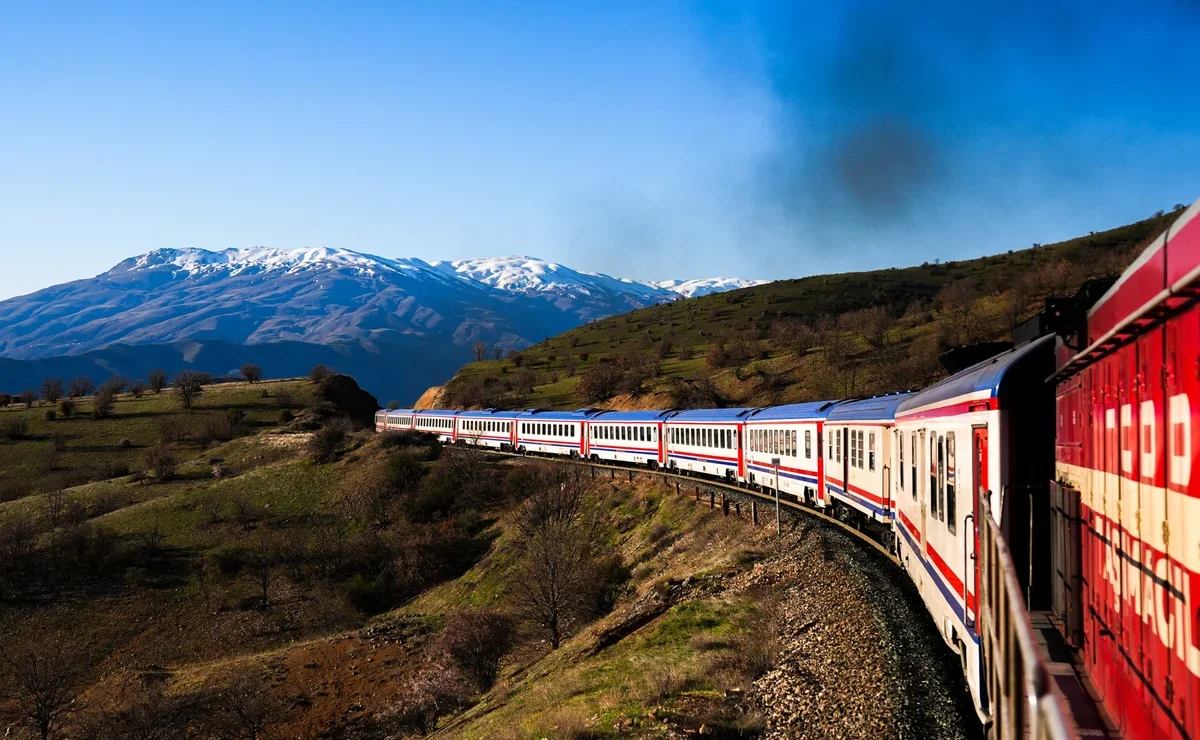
x: 1074, y: 448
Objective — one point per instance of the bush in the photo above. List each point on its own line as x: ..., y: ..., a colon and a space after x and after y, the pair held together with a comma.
x: 371, y: 595
x: 327, y: 441
x: 102, y: 402
x: 476, y: 641
x: 228, y: 561
x: 5, y: 400
x: 600, y: 382
x: 49, y: 414
x: 66, y: 407
x: 15, y: 428
x: 319, y: 374
x: 124, y: 443
x: 251, y: 372
x: 161, y: 462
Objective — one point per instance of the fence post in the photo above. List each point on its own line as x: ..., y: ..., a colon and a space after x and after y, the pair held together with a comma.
x: 724, y: 504
x: 737, y: 509
x: 612, y: 473
x: 676, y: 486
x: 754, y: 512
x: 631, y: 476
x: 712, y: 499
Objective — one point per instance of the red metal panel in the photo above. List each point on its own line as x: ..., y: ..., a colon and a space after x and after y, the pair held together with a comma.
x: 1183, y: 246
x: 1144, y: 280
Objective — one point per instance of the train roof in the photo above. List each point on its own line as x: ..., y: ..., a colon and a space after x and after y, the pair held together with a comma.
x: 879, y: 408
x: 490, y: 414
x: 613, y: 416
x: 980, y: 378
x: 397, y: 411
x: 712, y: 415
x: 438, y: 412
x: 544, y: 414
x: 793, y: 411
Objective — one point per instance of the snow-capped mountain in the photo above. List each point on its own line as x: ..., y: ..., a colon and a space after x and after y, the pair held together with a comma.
x: 319, y: 296
x: 705, y: 286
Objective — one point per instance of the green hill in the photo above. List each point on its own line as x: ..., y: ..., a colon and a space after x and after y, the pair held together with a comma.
x: 796, y: 340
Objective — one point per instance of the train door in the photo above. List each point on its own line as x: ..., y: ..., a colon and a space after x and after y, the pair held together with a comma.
x: 845, y: 432
x: 921, y: 482
x: 979, y: 490
x: 1180, y: 428
x: 885, y: 461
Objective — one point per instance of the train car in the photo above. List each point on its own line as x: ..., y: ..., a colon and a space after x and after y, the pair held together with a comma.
x: 438, y: 422
x: 860, y: 484
x: 1129, y: 530
x: 553, y: 432
x: 398, y: 419
x: 708, y: 442
x: 495, y: 429
x: 381, y: 421
x: 998, y: 415
x: 627, y: 436
x: 793, y: 434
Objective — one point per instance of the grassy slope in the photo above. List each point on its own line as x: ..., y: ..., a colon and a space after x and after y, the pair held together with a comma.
x: 699, y: 323
x: 321, y: 663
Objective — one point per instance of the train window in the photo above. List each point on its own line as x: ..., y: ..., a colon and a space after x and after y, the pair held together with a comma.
x: 808, y: 444
x: 871, y: 452
x: 900, y: 448
x: 912, y: 465
x: 951, y: 511
x: 934, y: 475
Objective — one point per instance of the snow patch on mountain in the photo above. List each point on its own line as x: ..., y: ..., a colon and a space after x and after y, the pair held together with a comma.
x: 705, y: 286
x: 531, y: 275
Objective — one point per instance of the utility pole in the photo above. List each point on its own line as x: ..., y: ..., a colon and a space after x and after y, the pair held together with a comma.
x: 775, y: 464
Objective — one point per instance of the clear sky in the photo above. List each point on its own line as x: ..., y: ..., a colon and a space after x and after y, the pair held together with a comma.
x: 645, y: 139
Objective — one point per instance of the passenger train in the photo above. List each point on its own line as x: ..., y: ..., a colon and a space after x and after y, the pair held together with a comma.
x: 1079, y: 439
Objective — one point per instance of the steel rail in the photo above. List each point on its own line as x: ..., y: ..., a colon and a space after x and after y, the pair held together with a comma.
x: 749, y: 492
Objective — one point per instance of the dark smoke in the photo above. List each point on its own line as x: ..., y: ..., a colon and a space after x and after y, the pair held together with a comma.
x: 875, y: 121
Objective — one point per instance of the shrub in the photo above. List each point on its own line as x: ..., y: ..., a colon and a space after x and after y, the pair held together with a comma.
x: 124, y: 443
x: 252, y: 372
x: 66, y: 407
x: 476, y: 641
x: 327, y: 441
x: 319, y: 374
x: 161, y: 462
x: 49, y: 414
x: 102, y: 402
x: 600, y: 382
x: 15, y: 428
x: 157, y: 380
x: 286, y: 416
x: 138, y: 389
x: 5, y: 400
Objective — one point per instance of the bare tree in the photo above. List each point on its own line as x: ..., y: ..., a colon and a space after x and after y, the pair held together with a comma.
x: 264, y: 557
x: 497, y: 352
x: 480, y: 349
x: 245, y: 707
x: 103, y: 401
x: 320, y: 373
x: 138, y: 388
x: 43, y: 679
x: 476, y: 640
x: 80, y: 387
x: 560, y: 573
x: 52, y: 389
x: 251, y: 372
x: 157, y: 380
x: 29, y: 397
x: 187, y: 386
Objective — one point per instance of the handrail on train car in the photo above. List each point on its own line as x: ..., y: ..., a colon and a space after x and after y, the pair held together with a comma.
x: 1018, y: 685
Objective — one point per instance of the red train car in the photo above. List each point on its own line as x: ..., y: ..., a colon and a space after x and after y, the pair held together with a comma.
x: 1127, y: 516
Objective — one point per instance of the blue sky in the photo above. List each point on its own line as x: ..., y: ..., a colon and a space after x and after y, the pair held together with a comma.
x: 647, y: 140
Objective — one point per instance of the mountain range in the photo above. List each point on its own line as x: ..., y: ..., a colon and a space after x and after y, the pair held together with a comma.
x: 398, y: 325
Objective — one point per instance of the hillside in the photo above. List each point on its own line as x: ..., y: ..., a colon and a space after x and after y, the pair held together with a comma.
x: 257, y: 566
x: 796, y: 340
x: 397, y: 325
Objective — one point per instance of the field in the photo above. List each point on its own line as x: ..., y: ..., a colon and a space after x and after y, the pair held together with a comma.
x: 795, y: 340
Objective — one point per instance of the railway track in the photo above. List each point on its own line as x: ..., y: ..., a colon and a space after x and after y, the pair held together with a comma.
x: 785, y: 501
